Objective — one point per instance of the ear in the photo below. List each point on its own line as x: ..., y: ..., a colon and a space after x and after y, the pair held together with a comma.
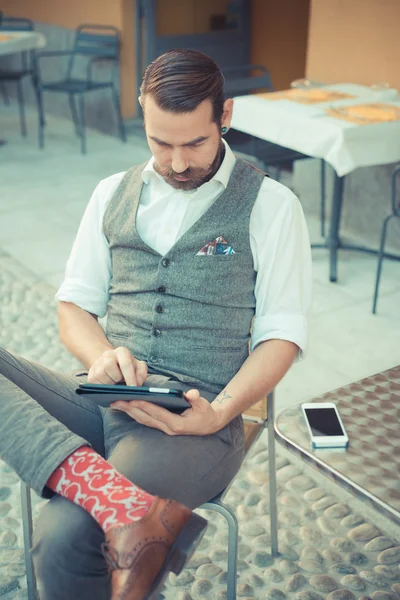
x: 140, y: 98
x: 227, y: 113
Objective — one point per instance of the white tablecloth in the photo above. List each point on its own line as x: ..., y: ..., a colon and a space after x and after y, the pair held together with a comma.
x: 308, y: 128
x: 20, y: 40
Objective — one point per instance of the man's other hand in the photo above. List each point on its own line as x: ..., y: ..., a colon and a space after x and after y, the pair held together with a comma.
x: 116, y: 366
x: 200, y: 419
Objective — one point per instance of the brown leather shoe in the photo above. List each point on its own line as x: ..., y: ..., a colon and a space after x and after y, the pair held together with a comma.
x: 142, y: 553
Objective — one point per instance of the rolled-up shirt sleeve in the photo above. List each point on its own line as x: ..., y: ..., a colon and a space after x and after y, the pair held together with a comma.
x: 88, y: 271
x: 282, y: 259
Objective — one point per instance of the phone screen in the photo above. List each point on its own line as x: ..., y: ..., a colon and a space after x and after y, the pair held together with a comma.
x: 323, y: 421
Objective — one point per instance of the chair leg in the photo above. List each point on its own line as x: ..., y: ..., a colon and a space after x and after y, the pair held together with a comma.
x: 27, y: 531
x: 323, y: 196
x: 74, y: 113
x: 380, y: 259
x: 278, y: 172
x: 4, y: 93
x: 42, y: 120
x: 273, y: 512
x: 233, y: 541
x: 39, y: 102
x: 82, y: 122
x: 21, y: 105
x: 117, y: 104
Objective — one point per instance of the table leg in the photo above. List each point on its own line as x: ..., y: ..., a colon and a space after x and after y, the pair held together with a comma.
x: 333, y: 237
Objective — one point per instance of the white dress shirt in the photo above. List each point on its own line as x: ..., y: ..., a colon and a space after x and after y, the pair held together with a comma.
x: 278, y: 239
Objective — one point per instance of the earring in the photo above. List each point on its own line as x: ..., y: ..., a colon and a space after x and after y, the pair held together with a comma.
x: 224, y: 130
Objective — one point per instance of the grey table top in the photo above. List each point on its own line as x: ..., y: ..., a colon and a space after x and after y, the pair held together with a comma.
x: 370, y: 466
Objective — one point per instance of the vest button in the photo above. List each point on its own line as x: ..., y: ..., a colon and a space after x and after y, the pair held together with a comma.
x: 156, y: 332
x: 161, y: 289
x: 159, y: 308
x: 165, y: 262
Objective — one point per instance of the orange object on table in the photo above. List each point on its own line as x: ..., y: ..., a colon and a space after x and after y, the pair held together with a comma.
x: 5, y: 38
x: 310, y: 96
x: 366, y: 114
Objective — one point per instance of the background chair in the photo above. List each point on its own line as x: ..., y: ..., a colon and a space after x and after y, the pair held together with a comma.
x: 395, y: 213
x: 27, y: 68
x: 95, y: 44
x: 259, y: 418
x: 3, y: 88
x: 240, y: 81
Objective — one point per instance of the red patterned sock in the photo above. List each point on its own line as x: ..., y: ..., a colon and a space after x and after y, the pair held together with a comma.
x: 88, y: 480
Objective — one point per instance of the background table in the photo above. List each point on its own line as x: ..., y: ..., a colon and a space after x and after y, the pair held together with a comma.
x: 310, y: 130
x: 370, y: 466
x: 19, y: 41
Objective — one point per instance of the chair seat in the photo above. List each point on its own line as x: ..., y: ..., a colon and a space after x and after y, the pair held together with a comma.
x: 269, y: 153
x: 14, y: 75
x: 74, y: 86
x: 272, y: 154
x: 252, y: 430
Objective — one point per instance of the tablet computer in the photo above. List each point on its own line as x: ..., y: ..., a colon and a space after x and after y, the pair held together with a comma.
x: 103, y: 395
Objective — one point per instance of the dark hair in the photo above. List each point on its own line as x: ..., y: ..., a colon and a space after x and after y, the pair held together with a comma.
x: 180, y: 80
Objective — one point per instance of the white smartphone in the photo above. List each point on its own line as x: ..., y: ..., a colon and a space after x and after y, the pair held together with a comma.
x: 325, y: 425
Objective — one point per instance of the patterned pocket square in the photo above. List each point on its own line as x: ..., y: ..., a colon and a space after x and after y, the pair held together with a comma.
x: 217, y: 246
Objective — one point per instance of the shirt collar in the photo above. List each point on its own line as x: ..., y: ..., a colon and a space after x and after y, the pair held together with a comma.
x: 221, y: 176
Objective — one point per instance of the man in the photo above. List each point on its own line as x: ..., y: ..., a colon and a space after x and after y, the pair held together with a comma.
x: 181, y: 254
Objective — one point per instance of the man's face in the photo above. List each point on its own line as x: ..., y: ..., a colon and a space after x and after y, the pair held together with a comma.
x: 185, y: 145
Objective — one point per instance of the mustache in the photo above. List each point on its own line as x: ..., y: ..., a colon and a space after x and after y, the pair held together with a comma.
x: 191, y: 172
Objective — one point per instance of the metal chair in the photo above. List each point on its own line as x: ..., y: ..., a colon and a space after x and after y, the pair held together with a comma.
x: 258, y: 419
x: 395, y: 214
x: 245, y: 80
x: 96, y: 44
x: 27, y: 527
x: 28, y: 68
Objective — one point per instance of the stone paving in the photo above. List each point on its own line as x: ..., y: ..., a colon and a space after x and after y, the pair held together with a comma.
x: 330, y: 547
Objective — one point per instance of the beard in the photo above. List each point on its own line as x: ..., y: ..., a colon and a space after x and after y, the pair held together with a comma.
x: 196, y: 176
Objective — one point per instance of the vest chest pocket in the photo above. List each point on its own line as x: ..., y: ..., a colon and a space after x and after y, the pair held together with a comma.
x: 217, y: 257
x: 220, y: 267
x: 220, y: 263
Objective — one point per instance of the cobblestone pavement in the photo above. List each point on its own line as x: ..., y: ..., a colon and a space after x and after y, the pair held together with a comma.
x: 329, y: 547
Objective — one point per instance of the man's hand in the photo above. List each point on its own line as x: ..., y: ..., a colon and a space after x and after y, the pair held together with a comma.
x: 117, y: 365
x: 200, y: 419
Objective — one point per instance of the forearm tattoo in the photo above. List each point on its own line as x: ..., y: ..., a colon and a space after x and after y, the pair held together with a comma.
x: 222, y: 397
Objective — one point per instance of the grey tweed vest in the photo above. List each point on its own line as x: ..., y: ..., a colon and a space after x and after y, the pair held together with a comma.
x: 186, y: 315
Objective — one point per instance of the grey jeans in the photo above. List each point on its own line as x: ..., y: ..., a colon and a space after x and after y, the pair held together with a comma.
x: 43, y: 420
